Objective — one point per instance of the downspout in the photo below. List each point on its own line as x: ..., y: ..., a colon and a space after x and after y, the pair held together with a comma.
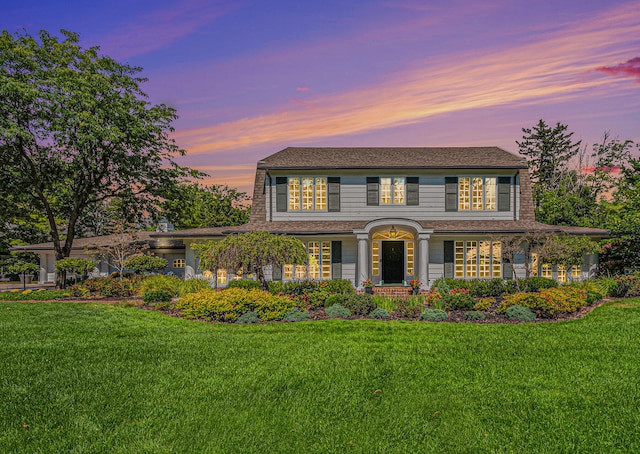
x: 270, y: 195
x: 515, y: 205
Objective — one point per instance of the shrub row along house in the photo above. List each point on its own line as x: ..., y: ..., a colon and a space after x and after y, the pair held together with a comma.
x: 389, y: 215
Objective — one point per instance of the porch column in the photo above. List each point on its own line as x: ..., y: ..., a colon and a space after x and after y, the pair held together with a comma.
x: 423, y: 263
x: 363, y: 259
x: 42, y: 277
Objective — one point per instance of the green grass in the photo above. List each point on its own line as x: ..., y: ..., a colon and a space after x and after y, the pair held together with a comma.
x: 100, y: 378
x: 37, y: 295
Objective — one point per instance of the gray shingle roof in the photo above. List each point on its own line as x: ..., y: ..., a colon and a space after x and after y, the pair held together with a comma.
x: 392, y: 158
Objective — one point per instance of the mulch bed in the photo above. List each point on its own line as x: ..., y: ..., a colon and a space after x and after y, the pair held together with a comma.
x: 491, y: 317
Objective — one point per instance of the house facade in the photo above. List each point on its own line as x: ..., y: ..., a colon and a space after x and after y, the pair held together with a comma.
x: 390, y: 215
x: 171, y: 250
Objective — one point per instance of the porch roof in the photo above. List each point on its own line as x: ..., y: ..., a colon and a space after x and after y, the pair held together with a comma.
x: 105, y: 240
x: 347, y: 227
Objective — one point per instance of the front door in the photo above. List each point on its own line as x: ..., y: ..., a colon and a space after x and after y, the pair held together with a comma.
x: 392, y: 262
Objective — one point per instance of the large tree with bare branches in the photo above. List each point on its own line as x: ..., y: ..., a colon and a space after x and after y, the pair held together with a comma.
x: 76, y: 129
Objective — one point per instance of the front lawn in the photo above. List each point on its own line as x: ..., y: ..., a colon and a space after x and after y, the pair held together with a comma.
x: 79, y: 377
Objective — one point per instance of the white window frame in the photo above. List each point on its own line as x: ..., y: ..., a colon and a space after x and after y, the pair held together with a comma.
x: 318, y: 266
x: 394, y: 192
x: 302, y: 199
x: 467, y: 259
x: 469, y: 200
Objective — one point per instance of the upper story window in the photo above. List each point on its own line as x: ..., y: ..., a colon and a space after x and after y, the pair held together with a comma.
x: 477, y: 193
x: 306, y: 194
x: 393, y: 190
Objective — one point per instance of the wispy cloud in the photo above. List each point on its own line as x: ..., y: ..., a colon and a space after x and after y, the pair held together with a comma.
x: 559, y: 66
x: 630, y: 68
x: 162, y: 27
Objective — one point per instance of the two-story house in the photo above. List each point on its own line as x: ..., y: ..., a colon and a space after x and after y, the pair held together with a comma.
x: 392, y: 214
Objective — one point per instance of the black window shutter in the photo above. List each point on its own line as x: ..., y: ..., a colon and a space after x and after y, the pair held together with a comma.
x: 281, y: 193
x: 504, y: 193
x: 333, y: 193
x: 373, y: 190
x: 448, y: 259
x: 336, y: 259
x: 413, y: 191
x: 451, y: 194
x: 336, y: 252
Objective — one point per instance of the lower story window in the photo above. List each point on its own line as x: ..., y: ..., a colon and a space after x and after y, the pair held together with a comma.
x: 179, y: 263
x: 222, y: 276
x: 478, y: 259
x: 318, y: 265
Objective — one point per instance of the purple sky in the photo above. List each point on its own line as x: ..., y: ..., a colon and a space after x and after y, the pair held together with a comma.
x: 249, y: 78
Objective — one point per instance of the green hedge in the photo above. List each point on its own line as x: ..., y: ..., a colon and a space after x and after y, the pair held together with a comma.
x: 34, y: 295
x: 548, y: 302
x: 229, y: 304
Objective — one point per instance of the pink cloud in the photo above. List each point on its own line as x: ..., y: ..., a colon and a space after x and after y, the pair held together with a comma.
x: 630, y: 68
x: 302, y: 89
x: 549, y: 68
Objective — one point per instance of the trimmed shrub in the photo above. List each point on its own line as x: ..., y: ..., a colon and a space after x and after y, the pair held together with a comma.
x: 296, y: 315
x: 145, y: 263
x: 247, y: 284
x: 358, y: 304
x: 520, y: 313
x: 79, y: 291
x: 433, y: 315
x: 331, y: 300
x: 317, y: 299
x: 474, y: 316
x: 486, y: 287
x: 295, y: 288
x: 379, y: 313
x: 432, y: 298
x: 248, y: 317
x: 157, y: 296
x: 108, y: 287
x: 531, y: 300
x: 626, y: 286
x: 343, y: 286
x: 484, y: 304
x: 549, y: 302
x: 590, y: 288
x: 536, y: 283
x: 407, y: 308
x: 446, y: 283
x: 337, y: 311
x: 458, y: 301
x: 229, y: 304
x: 194, y: 285
x: 171, y: 284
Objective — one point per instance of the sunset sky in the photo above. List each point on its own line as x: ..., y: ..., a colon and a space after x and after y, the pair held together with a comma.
x: 249, y: 78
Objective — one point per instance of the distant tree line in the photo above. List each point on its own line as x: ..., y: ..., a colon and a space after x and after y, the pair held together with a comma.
x: 578, y: 185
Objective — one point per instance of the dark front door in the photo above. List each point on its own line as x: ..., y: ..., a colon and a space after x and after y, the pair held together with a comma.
x: 392, y: 262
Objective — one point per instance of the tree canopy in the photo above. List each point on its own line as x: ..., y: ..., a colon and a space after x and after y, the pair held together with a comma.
x: 598, y: 189
x: 190, y: 205
x: 76, y: 129
x: 251, y: 252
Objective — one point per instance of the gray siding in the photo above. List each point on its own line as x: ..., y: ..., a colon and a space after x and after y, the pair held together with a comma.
x: 353, y: 203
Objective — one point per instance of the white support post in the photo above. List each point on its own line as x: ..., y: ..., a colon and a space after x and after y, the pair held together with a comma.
x: 363, y: 262
x: 423, y: 263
